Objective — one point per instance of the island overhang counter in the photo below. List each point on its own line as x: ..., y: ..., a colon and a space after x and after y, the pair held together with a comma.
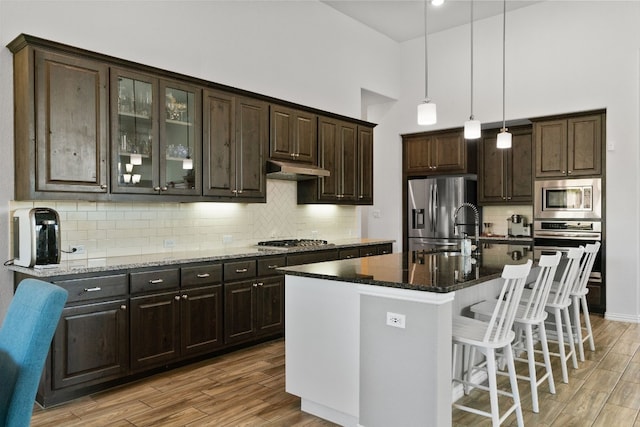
x: 368, y: 341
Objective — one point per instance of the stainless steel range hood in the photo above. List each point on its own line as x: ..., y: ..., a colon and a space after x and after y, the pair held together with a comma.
x: 277, y: 169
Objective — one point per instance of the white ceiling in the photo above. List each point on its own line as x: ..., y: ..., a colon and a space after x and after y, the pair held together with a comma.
x: 403, y: 20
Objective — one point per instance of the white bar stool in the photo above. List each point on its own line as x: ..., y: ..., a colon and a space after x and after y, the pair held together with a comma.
x: 487, y: 337
x: 579, y: 298
x: 558, y: 304
x: 531, y: 313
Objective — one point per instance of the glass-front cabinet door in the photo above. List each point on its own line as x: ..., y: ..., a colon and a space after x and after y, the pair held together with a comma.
x: 156, y: 141
x: 181, y: 138
x: 134, y: 133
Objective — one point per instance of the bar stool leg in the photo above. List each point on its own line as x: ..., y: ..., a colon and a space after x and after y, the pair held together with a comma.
x: 542, y: 334
x: 514, y: 384
x: 572, y: 347
x: 493, y: 386
x: 561, y: 349
x: 587, y: 322
x: 575, y: 302
x: 528, y: 332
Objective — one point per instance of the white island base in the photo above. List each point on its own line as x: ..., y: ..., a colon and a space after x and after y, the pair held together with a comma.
x: 350, y: 367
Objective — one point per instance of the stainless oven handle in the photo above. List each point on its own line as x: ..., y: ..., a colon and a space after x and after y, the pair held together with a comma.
x: 576, y: 236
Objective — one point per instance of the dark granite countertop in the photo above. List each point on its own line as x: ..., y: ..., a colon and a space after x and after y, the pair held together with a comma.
x: 93, y: 265
x: 430, y: 271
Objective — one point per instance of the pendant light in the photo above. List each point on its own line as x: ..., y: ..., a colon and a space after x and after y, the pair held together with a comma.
x: 504, y: 137
x: 472, y: 126
x: 427, y: 109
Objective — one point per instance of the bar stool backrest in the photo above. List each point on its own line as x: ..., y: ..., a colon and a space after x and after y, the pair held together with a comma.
x: 534, y: 307
x: 504, y: 313
x: 562, y: 294
x: 586, y: 265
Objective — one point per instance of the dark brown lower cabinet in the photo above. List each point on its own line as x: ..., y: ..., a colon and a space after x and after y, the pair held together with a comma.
x: 201, y: 320
x: 155, y: 330
x: 170, y: 326
x: 253, y: 308
x: 117, y: 325
x: 91, y: 344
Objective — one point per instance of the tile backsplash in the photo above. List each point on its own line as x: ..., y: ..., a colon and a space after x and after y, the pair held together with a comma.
x: 497, y: 216
x: 130, y: 228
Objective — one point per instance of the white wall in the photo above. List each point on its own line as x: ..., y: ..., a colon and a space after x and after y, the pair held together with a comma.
x: 299, y: 51
x: 562, y: 56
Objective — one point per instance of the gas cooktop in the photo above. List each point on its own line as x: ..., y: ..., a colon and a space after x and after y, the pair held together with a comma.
x: 285, y: 244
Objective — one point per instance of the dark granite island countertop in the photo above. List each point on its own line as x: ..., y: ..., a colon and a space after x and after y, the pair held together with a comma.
x: 430, y: 271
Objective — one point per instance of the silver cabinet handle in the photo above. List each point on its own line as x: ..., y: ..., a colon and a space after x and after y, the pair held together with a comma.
x: 260, y: 284
x: 241, y: 270
x: 255, y: 285
x: 271, y: 267
x: 156, y: 281
x: 96, y: 289
x: 103, y: 186
x: 164, y: 188
x: 202, y: 275
x: 185, y: 296
x: 123, y: 307
x: 156, y: 188
x: 177, y: 298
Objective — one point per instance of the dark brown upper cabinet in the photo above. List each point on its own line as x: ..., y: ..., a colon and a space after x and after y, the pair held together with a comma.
x: 155, y: 135
x: 94, y: 127
x: 569, y: 146
x: 365, y: 165
x: 346, y: 151
x: 61, y: 125
x: 505, y: 175
x: 438, y: 152
x: 235, y: 143
x: 293, y: 135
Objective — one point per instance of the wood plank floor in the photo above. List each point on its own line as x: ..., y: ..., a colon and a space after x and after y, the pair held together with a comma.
x: 246, y: 388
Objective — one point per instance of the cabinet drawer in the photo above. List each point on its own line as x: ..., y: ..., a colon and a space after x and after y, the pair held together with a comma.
x: 239, y: 270
x: 155, y: 280
x: 368, y: 251
x: 90, y: 288
x: 200, y: 275
x: 311, y: 257
x: 349, y: 253
x: 267, y: 266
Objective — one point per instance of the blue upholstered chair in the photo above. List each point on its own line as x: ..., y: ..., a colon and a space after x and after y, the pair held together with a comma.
x: 25, y: 338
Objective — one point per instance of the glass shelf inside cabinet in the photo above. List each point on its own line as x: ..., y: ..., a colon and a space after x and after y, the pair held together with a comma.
x: 180, y: 138
x: 135, y: 115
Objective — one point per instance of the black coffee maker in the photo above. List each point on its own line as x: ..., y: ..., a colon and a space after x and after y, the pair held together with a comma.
x: 36, y: 237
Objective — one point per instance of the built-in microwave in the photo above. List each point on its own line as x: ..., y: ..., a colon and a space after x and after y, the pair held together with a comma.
x: 568, y: 198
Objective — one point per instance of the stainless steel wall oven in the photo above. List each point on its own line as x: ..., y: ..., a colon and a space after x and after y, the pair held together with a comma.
x: 560, y: 235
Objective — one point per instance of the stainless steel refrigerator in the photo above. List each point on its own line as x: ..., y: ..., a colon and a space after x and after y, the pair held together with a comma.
x: 432, y: 204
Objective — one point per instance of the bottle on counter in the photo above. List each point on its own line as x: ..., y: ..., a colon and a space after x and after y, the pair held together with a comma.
x: 466, y: 245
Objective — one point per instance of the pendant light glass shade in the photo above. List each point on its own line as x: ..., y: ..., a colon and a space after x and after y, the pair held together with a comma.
x: 427, y: 109
x: 472, y: 129
x: 427, y: 113
x: 504, y: 139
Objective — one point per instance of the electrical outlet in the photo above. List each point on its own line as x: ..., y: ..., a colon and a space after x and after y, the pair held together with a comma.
x: 169, y: 243
x: 396, y: 320
x: 227, y: 238
x: 78, y: 249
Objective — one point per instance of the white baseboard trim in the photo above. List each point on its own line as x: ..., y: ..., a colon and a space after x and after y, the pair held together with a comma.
x: 628, y: 318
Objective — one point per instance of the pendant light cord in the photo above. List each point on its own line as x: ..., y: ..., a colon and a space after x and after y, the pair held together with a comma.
x: 426, y: 51
x: 504, y: 40
x: 471, y: 20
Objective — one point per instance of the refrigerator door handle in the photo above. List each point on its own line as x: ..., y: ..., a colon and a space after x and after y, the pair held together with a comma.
x: 418, y: 219
x: 435, y: 203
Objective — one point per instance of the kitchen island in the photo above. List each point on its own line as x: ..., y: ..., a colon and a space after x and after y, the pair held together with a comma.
x: 368, y: 341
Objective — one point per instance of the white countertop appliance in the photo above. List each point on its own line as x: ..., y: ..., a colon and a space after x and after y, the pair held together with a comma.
x: 36, y: 237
